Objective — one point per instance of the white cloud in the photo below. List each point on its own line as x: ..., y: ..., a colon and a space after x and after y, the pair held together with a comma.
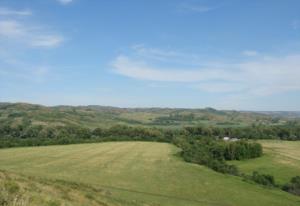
x: 47, y: 41
x: 10, y: 12
x: 271, y: 75
x: 65, y: 2
x: 260, y: 77
x: 19, y: 35
x: 11, y: 28
x: 250, y: 53
x: 34, y: 36
x: 140, y: 70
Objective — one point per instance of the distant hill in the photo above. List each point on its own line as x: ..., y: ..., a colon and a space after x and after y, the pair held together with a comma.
x: 287, y: 114
x: 102, y: 116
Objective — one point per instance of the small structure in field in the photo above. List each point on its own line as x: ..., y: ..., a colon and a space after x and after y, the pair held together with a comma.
x: 230, y: 139
x: 226, y: 138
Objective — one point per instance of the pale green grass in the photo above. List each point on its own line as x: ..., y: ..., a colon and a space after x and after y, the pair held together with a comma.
x: 281, y: 159
x: 141, y: 173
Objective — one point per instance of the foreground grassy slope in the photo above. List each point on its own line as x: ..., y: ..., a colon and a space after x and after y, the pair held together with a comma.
x: 281, y: 159
x: 140, y: 173
x: 16, y: 190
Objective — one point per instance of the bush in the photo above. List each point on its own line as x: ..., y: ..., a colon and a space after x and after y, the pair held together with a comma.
x: 294, y: 186
x: 263, y: 179
x: 221, y: 166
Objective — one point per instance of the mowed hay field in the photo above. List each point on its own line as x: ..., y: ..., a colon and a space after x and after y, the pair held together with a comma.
x: 139, y: 173
x: 281, y: 159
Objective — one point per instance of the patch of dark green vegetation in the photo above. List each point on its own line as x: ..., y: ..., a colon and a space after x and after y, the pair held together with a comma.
x: 268, y: 180
x: 262, y: 179
x: 214, y: 153
x: 293, y: 186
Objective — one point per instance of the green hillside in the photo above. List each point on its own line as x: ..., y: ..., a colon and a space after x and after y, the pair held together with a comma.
x: 95, y: 116
x: 139, y: 173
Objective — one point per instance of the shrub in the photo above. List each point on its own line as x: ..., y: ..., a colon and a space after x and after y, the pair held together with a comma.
x: 263, y: 179
x: 294, y: 186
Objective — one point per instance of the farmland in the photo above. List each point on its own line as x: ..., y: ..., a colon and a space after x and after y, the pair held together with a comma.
x: 281, y: 159
x: 138, y: 173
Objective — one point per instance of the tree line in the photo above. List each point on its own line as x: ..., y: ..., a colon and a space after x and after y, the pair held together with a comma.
x: 27, y: 134
x: 283, y: 132
x: 25, y: 130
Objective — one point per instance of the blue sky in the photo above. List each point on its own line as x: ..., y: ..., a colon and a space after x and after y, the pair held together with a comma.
x: 230, y: 54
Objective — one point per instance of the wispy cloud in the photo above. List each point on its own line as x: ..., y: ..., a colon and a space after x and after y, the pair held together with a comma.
x: 11, y: 29
x: 265, y: 75
x: 65, y: 2
x: 47, y: 41
x: 18, y: 30
x: 18, y: 34
x: 141, y: 70
x: 34, y: 36
x: 10, y: 12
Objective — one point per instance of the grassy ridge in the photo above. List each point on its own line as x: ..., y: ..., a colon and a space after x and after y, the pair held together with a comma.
x: 281, y: 159
x: 141, y: 173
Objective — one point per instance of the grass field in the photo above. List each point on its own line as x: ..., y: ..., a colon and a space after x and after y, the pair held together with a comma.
x: 139, y: 173
x: 17, y: 190
x: 281, y: 159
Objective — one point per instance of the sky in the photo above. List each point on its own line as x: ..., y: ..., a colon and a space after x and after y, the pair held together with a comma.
x: 225, y: 54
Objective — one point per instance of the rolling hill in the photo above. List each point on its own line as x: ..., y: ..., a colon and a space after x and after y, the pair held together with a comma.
x: 100, y: 116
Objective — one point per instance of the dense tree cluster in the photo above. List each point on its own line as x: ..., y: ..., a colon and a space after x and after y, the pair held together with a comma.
x: 214, y: 153
x: 241, y: 150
